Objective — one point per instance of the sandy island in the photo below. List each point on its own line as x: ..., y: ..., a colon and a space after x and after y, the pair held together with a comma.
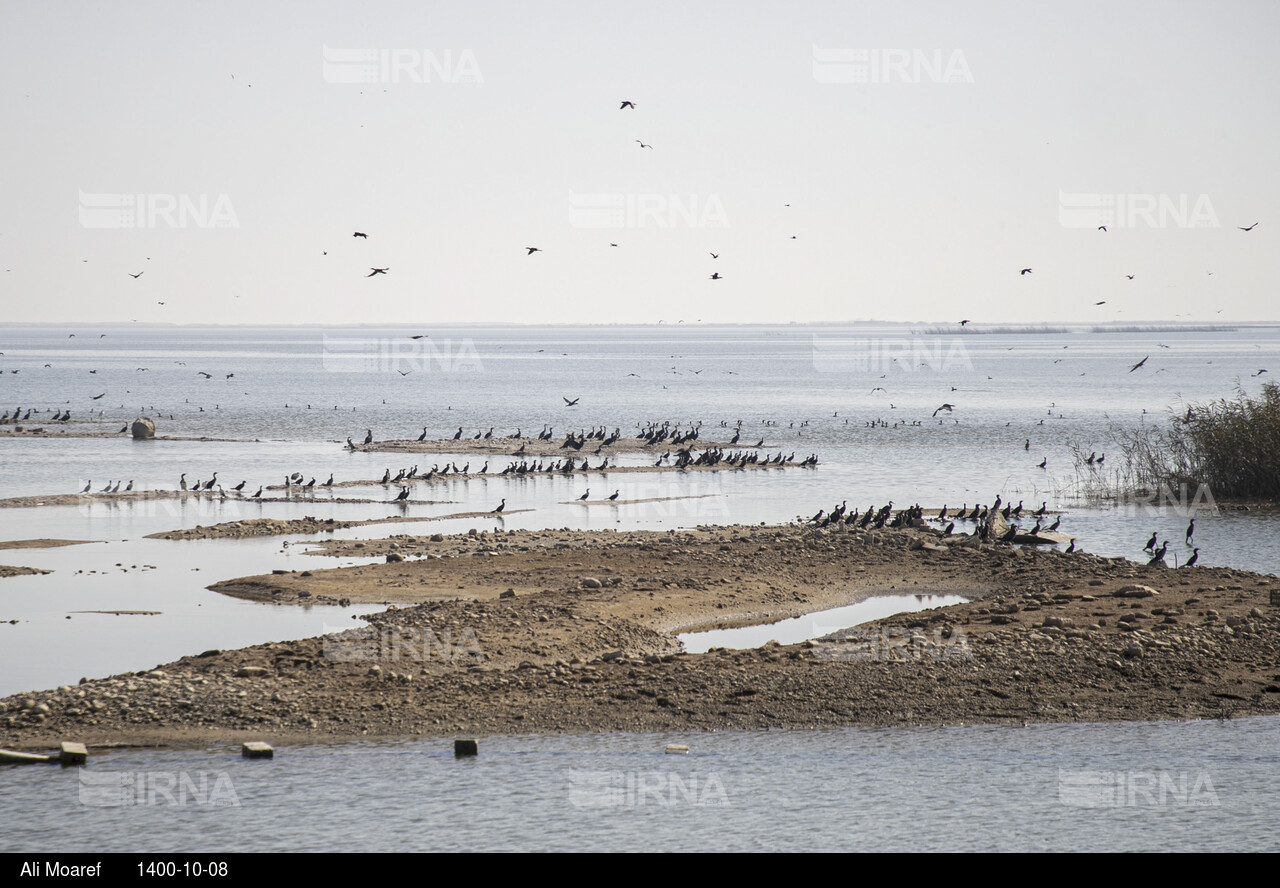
x: 571, y: 631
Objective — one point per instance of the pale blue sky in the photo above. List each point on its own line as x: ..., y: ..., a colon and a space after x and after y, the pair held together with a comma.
x: 911, y: 199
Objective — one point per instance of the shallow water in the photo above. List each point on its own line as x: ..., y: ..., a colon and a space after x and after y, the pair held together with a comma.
x: 815, y: 624
x: 1204, y: 786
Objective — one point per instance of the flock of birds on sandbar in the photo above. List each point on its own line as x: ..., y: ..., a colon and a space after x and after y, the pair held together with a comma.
x: 981, y: 518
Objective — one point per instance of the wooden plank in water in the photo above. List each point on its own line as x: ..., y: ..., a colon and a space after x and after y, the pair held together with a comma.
x: 10, y: 757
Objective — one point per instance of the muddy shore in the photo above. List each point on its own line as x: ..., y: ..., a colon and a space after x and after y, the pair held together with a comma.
x: 555, y: 631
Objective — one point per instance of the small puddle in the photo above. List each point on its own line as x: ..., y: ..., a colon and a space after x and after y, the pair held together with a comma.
x: 814, y: 625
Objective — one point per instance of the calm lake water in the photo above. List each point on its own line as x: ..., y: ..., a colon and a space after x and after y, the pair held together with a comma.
x: 867, y: 399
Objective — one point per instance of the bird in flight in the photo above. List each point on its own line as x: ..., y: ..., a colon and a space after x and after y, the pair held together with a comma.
x: 569, y: 403
x: 715, y: 255
x: 533, y: 250
x: 631, y: 105
x: 1129, y: 276
x: 965, y: 321
x: 205, y: 375
x: 1250, y: 228
x: 1103, y: 302
x: 1259, y: 373
x: 1025, y: 271
x: 946, y: 407
x: 643, y: 145
x: 96, y: 397
x: 1139, y: 364
x: 715, y: 276
x: 361, y: 234
x: 1102, y: 228
x: 377, y: 271
x: 404, y: 372
x: 134, y: 276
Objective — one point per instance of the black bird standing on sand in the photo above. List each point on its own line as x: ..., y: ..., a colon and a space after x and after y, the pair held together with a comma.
x: 368, y: 437
x: 402, y: 495
x: 1195, y: 556
x: 423, y: 436
x: 615, y: 496
x: 258, y: 494
x: 1151, y: 543
x: 583, y: 498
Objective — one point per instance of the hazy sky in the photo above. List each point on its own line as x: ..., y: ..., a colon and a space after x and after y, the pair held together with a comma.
x: 928, y: 151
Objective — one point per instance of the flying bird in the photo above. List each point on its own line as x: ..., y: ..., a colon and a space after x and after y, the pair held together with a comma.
x: 1025, y: 271
x: 1139, y: 364
x: 715, y: 276
x: 1250, y: 228
x: 946, y: 407
x: 965, y: 321
x: 135, y: 276
x: 96, y: 397
x: 643, y: 145
x: 625, y: 104
x: 715, y: 255
x: 1103, y: 302
x: 1102, y: 228
x: 360, y: 234
x: 374, y: 271
x: 1129, y: 276
x: 533, y: 250
x: 569, y: 403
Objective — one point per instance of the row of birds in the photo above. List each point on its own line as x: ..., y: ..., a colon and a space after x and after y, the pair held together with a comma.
x: 913, y: 516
